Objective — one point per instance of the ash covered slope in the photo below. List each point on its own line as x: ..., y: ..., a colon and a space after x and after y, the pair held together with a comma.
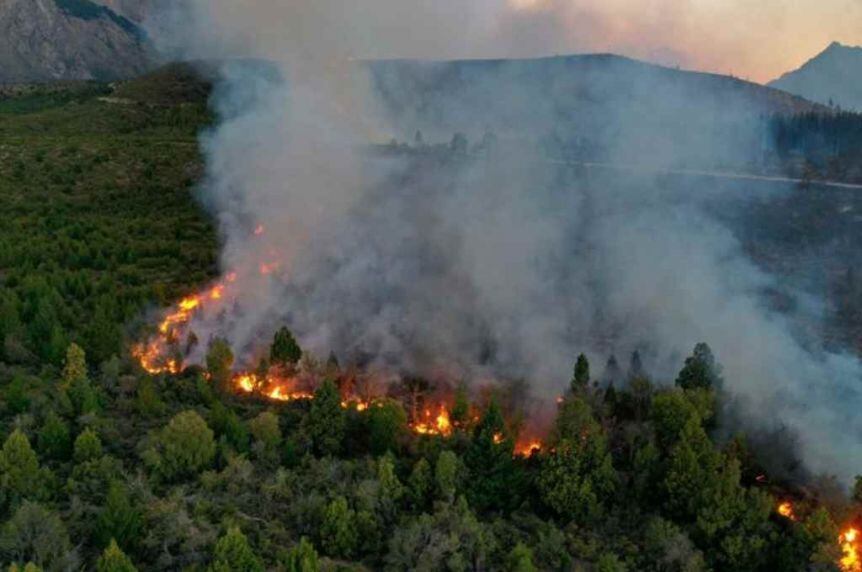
x: 45, y: 40
x: 834, y: 75
x: 590, y: 100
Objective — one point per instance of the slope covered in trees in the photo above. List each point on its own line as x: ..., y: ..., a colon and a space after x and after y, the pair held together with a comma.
x: 105, y: 467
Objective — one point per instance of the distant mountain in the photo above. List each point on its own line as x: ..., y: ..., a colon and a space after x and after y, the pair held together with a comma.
x: 45, y: 40
x: 598, y: 107
x: 834, y: 76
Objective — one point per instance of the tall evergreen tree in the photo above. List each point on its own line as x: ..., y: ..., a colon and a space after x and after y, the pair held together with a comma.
x: 75, y: 367
x: 113, y: 559
x: 302, y: 558
x: 220, y: 364
x: 21, y: 477
x: 119, y: 521
x: 581, y: 377
x: 233, y: 552
x: 493, y: 480
x: 325, y: 422
x: 700, y: 371
x: 285, y: 350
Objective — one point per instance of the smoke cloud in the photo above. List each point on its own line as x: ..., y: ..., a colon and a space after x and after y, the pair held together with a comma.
x: 500, y: 265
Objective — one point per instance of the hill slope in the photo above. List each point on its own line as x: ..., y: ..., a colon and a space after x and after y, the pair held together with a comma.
x: 594, y: 106
x: 43, y: 40
x: 834, y: 75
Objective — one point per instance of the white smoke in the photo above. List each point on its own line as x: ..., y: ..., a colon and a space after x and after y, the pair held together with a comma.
x: 506, y: 266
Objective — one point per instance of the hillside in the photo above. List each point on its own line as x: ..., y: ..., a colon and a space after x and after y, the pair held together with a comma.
x: 45, y: 40
x: 99, y: 183
x: 596, y: 107
x: 104, y: 466
x: 833, y: 76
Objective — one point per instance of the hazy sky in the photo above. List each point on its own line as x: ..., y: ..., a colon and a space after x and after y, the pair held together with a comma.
x: 754, y: 39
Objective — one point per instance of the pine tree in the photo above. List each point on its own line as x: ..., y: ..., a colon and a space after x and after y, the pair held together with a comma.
x: 75, y: 368
x: 700, y: 370
x: 387, y: 423
x: 187, y: 446
x: 446, y: 475
x: 119, y: 520
x: 284, y: 350
x: 102, y: 334
x: 581, y: 377
x: 613, y: 373
x: 493, y: 476
x: 325, y: 421
x: 54, y: 439
x: 636, y: 368
x: 460, y: 413
x: 220, y: 364
x: 420, y: 484
x: 391, y: 490
x: 521, y: 559
x: 233, y: 553
x: 88, y: 446
x: 302, y: 558
x: 338, y: 533
x: 267, y: 433
x: 20, y: 474
x: 113, y: 559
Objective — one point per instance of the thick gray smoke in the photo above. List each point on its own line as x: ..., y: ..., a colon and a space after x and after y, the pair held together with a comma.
x: 498, y: 263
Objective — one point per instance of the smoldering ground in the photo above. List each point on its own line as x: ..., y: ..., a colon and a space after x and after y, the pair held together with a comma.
x: 494, y: 263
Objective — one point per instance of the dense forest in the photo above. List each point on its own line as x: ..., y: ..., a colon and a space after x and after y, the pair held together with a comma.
x: 105, y: 466
x: 819, y: 145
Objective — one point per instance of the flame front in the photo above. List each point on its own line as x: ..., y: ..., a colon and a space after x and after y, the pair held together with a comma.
x: 174, y: 341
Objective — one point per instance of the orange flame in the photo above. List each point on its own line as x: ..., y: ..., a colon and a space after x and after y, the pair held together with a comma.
x: 785, y: 509
x: 849, y: 541
x: 528, y: 449
x: 440, y: 425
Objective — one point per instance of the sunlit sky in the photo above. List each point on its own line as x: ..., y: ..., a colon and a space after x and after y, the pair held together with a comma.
x: 753, y: 39
x: 756, y: 39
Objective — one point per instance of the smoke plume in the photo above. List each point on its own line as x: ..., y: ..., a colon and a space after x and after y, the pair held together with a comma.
x: 498, y: 262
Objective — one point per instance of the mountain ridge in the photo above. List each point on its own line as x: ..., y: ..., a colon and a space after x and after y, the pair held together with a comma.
x: 834, y: 76
x: 51, y: 40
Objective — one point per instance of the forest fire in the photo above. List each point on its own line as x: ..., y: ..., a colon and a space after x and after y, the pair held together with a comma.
x: 848, y: 540
x: 528, y: 449
x: 785, y: 509
x: 153, y: 358
x: 439, y: 425
x: 155, y: 355
x: 850, y: 559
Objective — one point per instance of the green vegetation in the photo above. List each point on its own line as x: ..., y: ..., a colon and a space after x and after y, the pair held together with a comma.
x: 104, y: 467
x: 99, y: 218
